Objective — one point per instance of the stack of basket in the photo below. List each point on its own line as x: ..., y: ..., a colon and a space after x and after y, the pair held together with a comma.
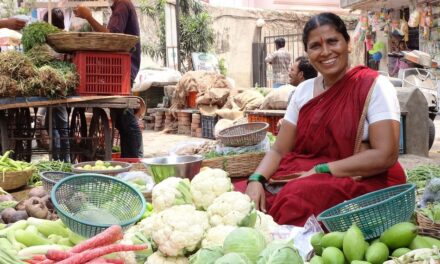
x: 158, y: 121
x: 184, y: 123
x: 196, y: 128
x: 149, y: 121
x: 169, y: 121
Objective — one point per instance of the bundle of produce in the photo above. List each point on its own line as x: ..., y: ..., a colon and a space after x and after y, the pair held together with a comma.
x: 36, y: 33
x: 397, y: 243
x: 421, y: 174
x: 204, y: 220
x: 48, y: 165
x: 92, y: 250
x: 41, y: 54
x: 53, y: 83
x: 17, y: 66
x: 8, y: 86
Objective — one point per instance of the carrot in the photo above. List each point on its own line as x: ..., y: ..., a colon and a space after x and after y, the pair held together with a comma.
x: 39, y: 257
x: 32, y: 261
x: 58, y: 255
x: 97, y: 261
x: 115, y: 261
x: 88, y: 255
x: 107, y: 237
x: 47, y: 261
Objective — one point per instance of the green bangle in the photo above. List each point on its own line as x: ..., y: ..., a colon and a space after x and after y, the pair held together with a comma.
x: 257, y: 177
x: 323, y: 168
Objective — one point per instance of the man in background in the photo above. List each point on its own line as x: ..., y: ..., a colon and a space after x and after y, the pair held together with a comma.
x: 280, y: 61
x: 123, y: 20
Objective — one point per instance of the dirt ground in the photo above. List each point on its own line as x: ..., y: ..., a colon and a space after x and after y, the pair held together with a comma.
x: 161, y: 144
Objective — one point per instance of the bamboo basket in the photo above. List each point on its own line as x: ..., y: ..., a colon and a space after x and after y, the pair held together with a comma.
x: 67, y: 42
x: 14, y: 179
x: 241, y: 165
x: 427, y: 227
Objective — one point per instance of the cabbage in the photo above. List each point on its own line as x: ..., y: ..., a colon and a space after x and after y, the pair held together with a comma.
x: 206, y: 255
x: 233, y: 258
x: 245, y: 240
x: 280, y: 253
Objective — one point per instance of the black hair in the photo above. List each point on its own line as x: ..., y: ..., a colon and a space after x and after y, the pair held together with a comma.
x: 280, y: 43
x: 321, y: 20
x: 306, y: 67
x: 57, y: 18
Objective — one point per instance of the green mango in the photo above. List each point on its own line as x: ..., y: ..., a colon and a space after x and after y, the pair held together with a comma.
x: 333, y: 255
x: 377, y: 253
x: 316, y: 260
x: 400, y: 252
x: 316, y: 243
x: 354, y: 244
x: 399, y: 235
x: 333, y: 239
x: 419, y: 242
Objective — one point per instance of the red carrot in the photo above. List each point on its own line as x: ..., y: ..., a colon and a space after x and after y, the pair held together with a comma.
x: 88, y: 255
x: 39, y: 257
x: 97, y: 261
x: 47, y: 261
x: 32, y: 261
x: 55, y: 254
x: 107, y: 237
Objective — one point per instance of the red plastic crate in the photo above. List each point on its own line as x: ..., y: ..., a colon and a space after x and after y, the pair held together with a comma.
x: 191, y: 99
x: 103, y: 73
x: 271, y: 120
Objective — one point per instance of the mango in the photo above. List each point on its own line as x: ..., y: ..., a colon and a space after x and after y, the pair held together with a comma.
x: 366, y: 245
x: 432, y: 241
x: 316, y: 260
x: 354, y: 244
x: 359, y: 262
x: 316, y: 243
x: 333, y: 255
x: 377, y: 253
x: 400, y: 252
x: 399, y: 235
x: 419, y: 242
x: 333, y: 239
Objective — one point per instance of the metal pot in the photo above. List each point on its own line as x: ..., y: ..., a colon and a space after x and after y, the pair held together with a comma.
x: 173, y: 166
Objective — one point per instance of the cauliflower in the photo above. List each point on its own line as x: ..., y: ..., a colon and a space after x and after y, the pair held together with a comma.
x: 135, y: 236
x: 266, y: 225
x: 171, y: 191
x: 179, y: 229
x: 208, y: 185
x: 146, y: 225
x: 216, y: 235
x: 232, y: 208
x: 158, y: 258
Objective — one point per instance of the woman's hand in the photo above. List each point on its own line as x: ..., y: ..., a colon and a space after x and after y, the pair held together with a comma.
x: 82, y: 12
x: 255, y: 191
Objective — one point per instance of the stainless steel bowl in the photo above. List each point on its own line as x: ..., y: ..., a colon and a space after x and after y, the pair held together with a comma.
x: 173, y: 166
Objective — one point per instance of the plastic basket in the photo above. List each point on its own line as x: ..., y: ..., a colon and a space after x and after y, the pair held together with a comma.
x: 208, y: 125
x: 89, y: 203
x: 103, y: 73
x: 191, y: 99
x: 248, y: 134
x: 271, y: 120
x: 50, y: 178
x: 374, y: 212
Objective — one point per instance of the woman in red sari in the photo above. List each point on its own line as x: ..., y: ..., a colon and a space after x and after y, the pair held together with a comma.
x: 340, y: 137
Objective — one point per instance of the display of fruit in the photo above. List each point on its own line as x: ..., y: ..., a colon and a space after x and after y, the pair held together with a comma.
x: 100, y: 165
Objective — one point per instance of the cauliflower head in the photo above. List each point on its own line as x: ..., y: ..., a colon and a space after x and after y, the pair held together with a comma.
x: 171, y: 191
x: 216, y: 235
x: 232, y: 208
x: 159, y: 258
x: 266, y: 225
x: 135, y: 236
x: 208, y: 185
x: 179, y: 229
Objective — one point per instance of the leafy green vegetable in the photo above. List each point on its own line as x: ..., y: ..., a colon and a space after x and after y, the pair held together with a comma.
x: 36, y: 33
x: 206, y: 256
x: 421, y: 174
x: 279, y: 253
x: 245, y: 240
x: 42, y: 166
x: 233, y: 258
x: 432, y: 211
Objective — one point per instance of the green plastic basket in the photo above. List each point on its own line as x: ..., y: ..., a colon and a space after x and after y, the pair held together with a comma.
x: 90, y: 203
x: 374, y: 212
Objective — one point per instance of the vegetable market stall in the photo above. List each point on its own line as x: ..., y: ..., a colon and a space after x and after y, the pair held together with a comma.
x: 87, y: 141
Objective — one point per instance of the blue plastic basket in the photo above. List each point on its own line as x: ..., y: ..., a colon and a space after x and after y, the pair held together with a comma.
x: 374, y: 212
x: 90, y: 203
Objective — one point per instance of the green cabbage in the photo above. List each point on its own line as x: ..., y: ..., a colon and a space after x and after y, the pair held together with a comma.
x: 233, y: 258
x: 206, y: 255
x: 280, y: 253
x: 245, y: 240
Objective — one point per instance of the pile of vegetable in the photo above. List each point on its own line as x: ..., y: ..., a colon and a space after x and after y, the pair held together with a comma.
x: 400, y: 243
x: 37, y: 205
x: 44, y: 241
x: 432, y: 211
x: 47, y: 165
x: 35, y: 34
x: 421, y: 174
x: 100, y: 165
x: 20, y: 77
x: 205, y: 221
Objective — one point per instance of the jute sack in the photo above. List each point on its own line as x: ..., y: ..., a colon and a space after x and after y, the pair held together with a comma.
x: 231, y: 114
x: 277, y: 99
x: 222, y: 124
x: 249, y: 100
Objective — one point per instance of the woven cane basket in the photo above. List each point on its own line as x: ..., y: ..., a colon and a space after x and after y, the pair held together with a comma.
x: 241, y: 165
x: 243, y: 135
x: 67, y: 42
x: 14, y: 179
x: 427, y: 227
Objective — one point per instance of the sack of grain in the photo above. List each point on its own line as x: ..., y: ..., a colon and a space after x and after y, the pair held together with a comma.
x: 277, y: 99
x: 249, y: 100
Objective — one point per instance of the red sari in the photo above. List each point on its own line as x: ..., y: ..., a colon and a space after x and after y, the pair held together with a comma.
x: 327, y: 131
